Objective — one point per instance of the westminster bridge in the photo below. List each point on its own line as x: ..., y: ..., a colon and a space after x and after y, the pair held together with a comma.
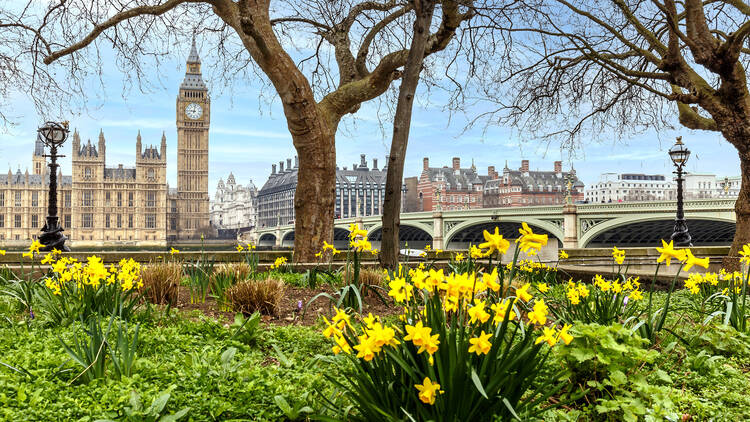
x: 711, y: 222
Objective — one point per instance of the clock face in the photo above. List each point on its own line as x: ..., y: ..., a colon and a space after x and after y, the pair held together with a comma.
x: 193, y: 111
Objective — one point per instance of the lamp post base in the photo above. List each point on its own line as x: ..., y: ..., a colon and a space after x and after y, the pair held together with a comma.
x: 680, y: 235
x: 52, y: 236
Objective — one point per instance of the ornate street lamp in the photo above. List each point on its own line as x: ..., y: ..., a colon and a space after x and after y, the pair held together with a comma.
x: 679, y: 155
x: 53, y: 135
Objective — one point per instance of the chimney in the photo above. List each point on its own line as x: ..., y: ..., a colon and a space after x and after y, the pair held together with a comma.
x: 354, y: 166
x: 425, y: 163
x: 289, y: 164
x: 362, y: 161
x: 558, y: 167
x: 387, y: 160
x: 273, y: 169
x: 491, y: 172
x: 524, y: 166
x: 296, y: 162
x: 281, y: 166
x: 456, y: 163
x: 374, y: 163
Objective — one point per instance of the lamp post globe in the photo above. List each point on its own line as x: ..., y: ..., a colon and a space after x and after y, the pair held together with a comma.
x: 679, y: 155
x: 53, y: 135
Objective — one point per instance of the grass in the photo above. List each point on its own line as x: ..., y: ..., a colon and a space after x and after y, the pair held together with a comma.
x: 190, y: 356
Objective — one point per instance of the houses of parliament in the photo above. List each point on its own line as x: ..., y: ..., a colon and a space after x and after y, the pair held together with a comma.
x: 100, y: 205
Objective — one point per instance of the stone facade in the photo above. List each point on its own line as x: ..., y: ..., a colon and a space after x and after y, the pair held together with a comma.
x: 634, y: 187
x: 359, y: 192
x: 100, y: 205
x: 189, y: 205
x: 454, y: 188
x: 234, y: 205
x: 525, y: 187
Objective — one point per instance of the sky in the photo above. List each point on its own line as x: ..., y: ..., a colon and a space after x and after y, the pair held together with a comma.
x: 247, y: 135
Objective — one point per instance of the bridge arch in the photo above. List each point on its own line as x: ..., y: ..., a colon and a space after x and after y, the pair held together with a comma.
x: 471, y: 231
x: 648, y: 231
x: 267, y: 239
x: 417, y: 235
x: 287, y: 239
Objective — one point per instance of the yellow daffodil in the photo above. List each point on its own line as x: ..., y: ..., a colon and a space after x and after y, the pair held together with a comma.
x: 563, y: 254
x: 2, y: 252
x: 564, y: 336
x: 427, y: 247
x: 745, y: 253
x: 35, y: 246
x: 538, y: 315
x: 29, y: 255
x: 480, y: 345
x: 477, y: 312
x: 400, y: 290
x: 48, y: 259
x: 542, y: 287
x: 494, y: 242
x: 522, y: 292
x: 691, y: 260
x: 239, y: 248
x: 176, y: 251
x: 500, y: 310
x: 428, y: 391
x: 550, y: 336
x: 618, y: 255
x: 530, y: 240
x: 421, y: 336
x: 459, y: 257
x: 636, y: 295
x: 56, y: 252
x: 668, y: 252
x: 341, y: 345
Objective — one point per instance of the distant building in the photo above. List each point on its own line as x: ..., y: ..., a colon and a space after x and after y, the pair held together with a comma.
x: 613, y: 187
x: 453, y: 188
x: 631, y: 187
x: 234, y: 205
x: 523, y: 187
x: 410, y: 199
x: 359, y: 192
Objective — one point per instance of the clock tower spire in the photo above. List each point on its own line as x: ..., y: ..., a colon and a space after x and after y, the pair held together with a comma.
x: 193, y: 120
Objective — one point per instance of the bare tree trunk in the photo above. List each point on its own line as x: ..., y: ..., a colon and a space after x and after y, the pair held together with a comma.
x: 401, y: 125
x: 742, y: 214
x: 314, y: 200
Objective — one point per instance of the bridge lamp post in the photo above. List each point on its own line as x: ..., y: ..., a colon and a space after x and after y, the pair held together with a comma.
x: 53, y: 135
x: 679, y: 155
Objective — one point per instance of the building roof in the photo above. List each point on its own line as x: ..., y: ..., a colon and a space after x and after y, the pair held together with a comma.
x: 88, y: 150
x: 536, y: 181
x: 34, y: 179
x: 193, y: 80
x: 119, y: 173
x: 464, y: 179
x: 38, y: 148
x: 279, y: 182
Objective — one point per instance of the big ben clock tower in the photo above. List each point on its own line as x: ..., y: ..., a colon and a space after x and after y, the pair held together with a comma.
x: 193, y: 119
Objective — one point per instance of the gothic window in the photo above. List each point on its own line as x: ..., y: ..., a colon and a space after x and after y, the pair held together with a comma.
x: 87, y: 220
x: 67, y: 200
x: 151, y: 199
x: 119, y: 199
x: 18, y: 198
x: 130, y: 221
x: 150, y: 221
x: 107, y: 198
x: 87, y: 173
x: 88, y: 198
x: 130, y: 199
x: 34, y: 199
x: 2, y: 199
x: 67, y: 220
x: 2, y: 220
x: 151, y: 174
x: 119, y: 221
x: 106, y: 221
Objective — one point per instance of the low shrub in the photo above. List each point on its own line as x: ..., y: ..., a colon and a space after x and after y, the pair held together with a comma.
x: 367, y: 277
x: 613, y: 368
x: 162, y: 282
x: 249, y: 296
